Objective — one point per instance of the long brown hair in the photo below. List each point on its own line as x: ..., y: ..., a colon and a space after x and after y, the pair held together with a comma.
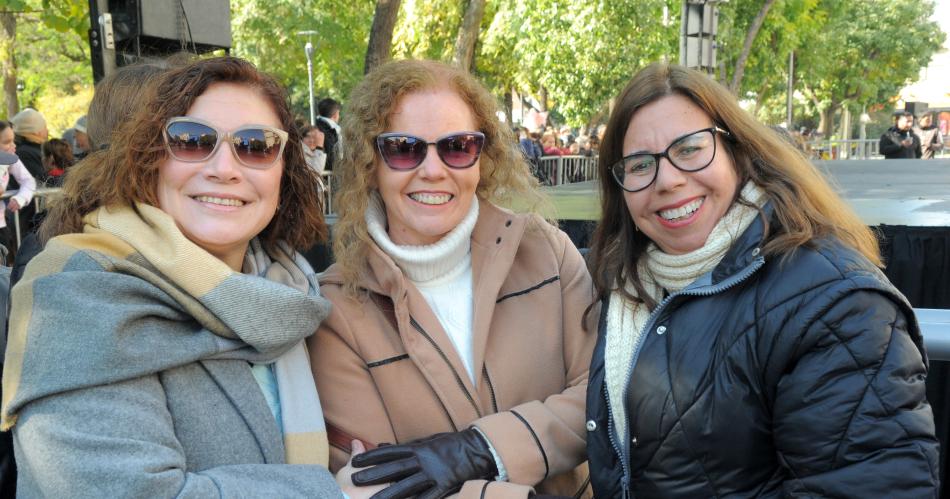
x: 127, y: 172
x: 806, y: 207
x: 505, y: 175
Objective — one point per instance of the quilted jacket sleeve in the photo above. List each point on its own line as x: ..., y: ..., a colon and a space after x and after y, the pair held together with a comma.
x: 851, y: 417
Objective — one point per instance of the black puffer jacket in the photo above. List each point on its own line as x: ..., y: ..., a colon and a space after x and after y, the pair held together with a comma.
x: 802, y: 379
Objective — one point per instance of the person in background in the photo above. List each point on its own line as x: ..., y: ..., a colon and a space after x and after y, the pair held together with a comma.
x: 11, y: 166
x: 328, y: 123
x: 166, y: 240
x: 117, y: 97
x: 30, y: 129
x: 749, y: 345
x: 900, y: 141
x: 81, y: 145
x: 57, y: 157
x: 549, y: 145
x: 931, y: 140
x: 313, y: 151
x: 456, y: 331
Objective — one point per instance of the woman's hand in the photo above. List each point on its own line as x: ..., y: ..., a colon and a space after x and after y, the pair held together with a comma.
x: 345, y: 483
x: 14, y: 205
x: 435, y: 466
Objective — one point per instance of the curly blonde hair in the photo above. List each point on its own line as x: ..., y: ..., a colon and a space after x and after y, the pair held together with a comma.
x: 505, y: 175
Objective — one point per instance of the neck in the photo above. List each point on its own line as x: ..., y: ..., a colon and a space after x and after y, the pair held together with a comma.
x: 425, y: 262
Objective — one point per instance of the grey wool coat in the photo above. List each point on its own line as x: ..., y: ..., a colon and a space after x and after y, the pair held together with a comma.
x: 128, y: 373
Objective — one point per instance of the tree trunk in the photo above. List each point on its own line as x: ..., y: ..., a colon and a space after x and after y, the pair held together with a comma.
x: 747, y: 46
x: 381, y: 34
x: 509, y: 107
x: 8, y: 62
x: 468, y: 35
x: 544, y: 99
x: 827, y: 124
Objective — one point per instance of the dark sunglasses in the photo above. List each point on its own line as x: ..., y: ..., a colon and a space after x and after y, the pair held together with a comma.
x: 255, y: 146
x: 402, y: 151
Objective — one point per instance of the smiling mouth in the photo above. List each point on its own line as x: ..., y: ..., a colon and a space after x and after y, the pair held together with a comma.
x: 218, y: 201
x: 683, y: 212
x: 430, y: 199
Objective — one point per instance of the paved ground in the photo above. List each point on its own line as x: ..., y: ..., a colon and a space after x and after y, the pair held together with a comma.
x: 892, y: 192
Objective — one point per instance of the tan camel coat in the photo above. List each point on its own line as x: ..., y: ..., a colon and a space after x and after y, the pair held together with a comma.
x: 382, y: 383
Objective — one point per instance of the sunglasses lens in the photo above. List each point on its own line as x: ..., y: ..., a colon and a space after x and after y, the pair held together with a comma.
x: 462, y: 150
x: 402, y: 152
x: 190, y: 141
x: 257, y: 147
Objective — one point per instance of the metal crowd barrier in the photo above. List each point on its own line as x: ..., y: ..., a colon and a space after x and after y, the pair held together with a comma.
x: 559, y: 170
x: 935, y: 326
x: 845, y: 149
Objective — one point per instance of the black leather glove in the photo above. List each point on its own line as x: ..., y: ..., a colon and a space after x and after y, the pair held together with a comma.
x: 429, y: 468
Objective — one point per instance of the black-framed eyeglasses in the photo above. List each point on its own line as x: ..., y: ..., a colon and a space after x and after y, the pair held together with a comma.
x: 690, y: 153
x: 403, y: 152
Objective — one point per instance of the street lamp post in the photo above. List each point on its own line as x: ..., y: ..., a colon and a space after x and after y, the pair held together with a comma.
x: 308, y: 49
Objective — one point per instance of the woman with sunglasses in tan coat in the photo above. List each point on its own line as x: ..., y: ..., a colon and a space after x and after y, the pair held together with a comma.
x: 455, y: 332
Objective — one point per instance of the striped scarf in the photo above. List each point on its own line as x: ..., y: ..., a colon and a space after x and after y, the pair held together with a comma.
x: 151, y: 272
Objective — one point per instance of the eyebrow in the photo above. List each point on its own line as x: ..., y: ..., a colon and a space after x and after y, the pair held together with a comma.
x: 687, y: 134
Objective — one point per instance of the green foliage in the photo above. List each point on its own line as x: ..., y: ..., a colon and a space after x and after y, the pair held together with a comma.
x: 846, y: 52
x: 582, y: 52
x: 579, y: 52
x: 427, y: 29
x: 266, y: 34
x: 52, y: 57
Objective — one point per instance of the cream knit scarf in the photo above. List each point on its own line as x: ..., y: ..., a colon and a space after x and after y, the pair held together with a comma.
x: 660, y: 271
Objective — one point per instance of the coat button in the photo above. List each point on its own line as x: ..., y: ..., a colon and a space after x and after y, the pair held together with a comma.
x: 661, y: 330
x: 634, y: 441
x: 591, y: 425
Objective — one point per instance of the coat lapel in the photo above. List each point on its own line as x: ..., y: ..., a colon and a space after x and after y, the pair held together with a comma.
x: 495, y: 240
x: 234, y: 378
x: 428, y: 345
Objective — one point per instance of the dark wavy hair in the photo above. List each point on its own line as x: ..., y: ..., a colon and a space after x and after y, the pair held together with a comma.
x: 127, y: 172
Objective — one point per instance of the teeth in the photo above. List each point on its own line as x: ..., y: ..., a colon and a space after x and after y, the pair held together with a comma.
x: 426, y: 198
x: 683, y: 211
x: 221, y: 201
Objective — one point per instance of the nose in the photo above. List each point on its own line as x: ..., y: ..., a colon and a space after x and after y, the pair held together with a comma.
x: 223, y: 166
x: 432, y: 166
x: 668, y: 177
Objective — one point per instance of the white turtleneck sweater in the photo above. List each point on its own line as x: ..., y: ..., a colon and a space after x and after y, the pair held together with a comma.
x: 441, y: 271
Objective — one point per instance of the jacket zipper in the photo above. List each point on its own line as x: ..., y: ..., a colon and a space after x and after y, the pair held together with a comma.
x: 491, y: 388
x: 458, y: 379
x: 706, y: 290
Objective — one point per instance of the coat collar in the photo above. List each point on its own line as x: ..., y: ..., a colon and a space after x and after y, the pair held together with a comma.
x: 746, y: 248
x: 495, y: 241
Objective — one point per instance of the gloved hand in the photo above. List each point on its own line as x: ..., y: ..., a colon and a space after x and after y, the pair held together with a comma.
x: 429, y: 468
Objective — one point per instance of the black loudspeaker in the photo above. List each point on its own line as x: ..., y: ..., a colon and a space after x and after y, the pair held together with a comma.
x: 150, y: 29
